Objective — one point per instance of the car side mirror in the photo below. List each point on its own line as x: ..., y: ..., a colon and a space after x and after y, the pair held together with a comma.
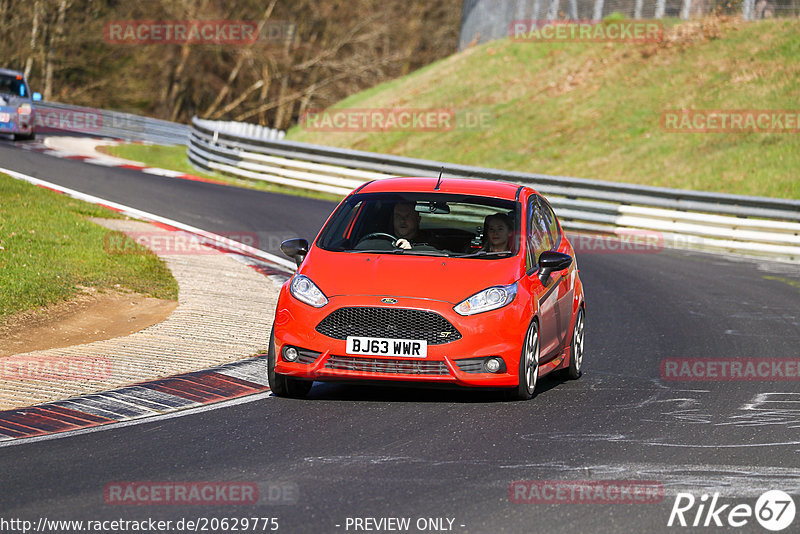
x: 37, y: 97
x: 296, y: 249
x: 550, y: 261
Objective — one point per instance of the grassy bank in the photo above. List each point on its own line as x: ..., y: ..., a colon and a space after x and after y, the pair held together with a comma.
x: 48, y: 250
x: 594, y: 110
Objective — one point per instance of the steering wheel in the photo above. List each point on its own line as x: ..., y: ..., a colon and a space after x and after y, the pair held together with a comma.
x: 380, y: 235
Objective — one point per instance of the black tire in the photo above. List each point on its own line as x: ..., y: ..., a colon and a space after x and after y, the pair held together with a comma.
x: 528, y: 366
x: 574, y: 371
x: 284, y: 386
x: 25, y: 137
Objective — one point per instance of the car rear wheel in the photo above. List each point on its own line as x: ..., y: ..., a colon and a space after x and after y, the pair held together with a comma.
x: 528, y: 365
x: 576, y: 350
x: 284, y: 386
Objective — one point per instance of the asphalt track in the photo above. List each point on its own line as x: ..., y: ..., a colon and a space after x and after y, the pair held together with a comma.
x: 358, y: 452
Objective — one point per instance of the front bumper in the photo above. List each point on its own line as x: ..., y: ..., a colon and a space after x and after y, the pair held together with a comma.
x: 492, y: 334
x: 17, y: 123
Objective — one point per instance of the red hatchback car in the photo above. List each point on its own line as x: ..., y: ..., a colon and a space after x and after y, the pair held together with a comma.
x: 418, y: 280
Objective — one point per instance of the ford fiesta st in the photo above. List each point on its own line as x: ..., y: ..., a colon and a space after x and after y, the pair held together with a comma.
x: 17, y: 115
x: 418, y: 280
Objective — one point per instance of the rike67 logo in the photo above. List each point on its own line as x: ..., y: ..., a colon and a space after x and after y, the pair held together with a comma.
x: 774, y: 510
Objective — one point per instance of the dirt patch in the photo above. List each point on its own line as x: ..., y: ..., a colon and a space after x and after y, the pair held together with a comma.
x: 91, y: 316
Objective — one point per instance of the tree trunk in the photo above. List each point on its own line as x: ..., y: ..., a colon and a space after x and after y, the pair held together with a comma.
x: 37, y: 8
x: 597, y: 14
x: 264, y: 94
x: 573, y: 9
x: 55, y: 44
x: 177, y: 86
x: 747, y: 9
x: 281, y: 111
x: 552, y: 11
x: 686, y: 9
x: 660, y: 8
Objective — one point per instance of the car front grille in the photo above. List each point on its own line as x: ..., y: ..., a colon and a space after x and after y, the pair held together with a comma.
x: 392, y: 323
x: 393, y: 366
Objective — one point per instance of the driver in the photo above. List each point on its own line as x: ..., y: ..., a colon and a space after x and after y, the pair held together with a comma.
x: 406, y: 224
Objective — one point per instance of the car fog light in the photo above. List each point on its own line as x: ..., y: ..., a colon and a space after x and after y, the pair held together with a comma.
x: 492, y: 365
x: 290, y: 354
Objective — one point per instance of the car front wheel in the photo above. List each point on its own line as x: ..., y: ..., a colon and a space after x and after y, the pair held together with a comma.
x: 528, y: 365
x: 25, y: 137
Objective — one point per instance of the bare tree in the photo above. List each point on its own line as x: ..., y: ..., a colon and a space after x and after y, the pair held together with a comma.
x: 55, y: 43
x: 37, y: 10
x: 324, y: 50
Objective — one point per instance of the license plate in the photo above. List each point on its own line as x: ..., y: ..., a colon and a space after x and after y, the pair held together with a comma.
x: 377, y: 346
x: 5, y: 117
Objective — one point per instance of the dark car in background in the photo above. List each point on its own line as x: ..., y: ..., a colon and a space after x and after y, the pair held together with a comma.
x: 17, y: 113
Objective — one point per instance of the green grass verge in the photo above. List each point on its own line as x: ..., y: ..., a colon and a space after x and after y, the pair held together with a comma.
x: 593, y: 110
x: 49, y: 248
x: 174, y: 158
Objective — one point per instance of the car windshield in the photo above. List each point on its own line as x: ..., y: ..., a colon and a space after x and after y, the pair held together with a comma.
x: 13, y: 85
x: 425, y: 224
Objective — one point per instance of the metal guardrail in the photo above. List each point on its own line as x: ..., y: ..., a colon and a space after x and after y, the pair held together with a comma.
x: 248, y: 130
x: 679, y: 218
x: 54, y: 116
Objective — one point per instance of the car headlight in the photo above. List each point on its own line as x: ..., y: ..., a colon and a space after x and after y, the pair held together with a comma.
x: 304, y: 290
x: 489, y: 299
x: 24, y: 109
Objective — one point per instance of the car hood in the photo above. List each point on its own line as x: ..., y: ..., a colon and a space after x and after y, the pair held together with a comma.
x: 387, y: 275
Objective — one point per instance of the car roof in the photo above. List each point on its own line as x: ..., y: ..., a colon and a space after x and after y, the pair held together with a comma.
x: 10, y: 72
x: 486, y: 188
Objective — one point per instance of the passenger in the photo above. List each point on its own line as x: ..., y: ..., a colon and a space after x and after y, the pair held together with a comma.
x: 497, y: 235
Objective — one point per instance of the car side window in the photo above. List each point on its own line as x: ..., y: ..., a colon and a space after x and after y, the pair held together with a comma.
x: 538, y: 234
x: 551, y: 222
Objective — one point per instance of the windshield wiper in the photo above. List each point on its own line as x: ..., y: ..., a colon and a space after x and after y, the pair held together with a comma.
x: 396, y: 251
x: 423, y: 252
x: 374, y: 251
x: 481, y: 253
